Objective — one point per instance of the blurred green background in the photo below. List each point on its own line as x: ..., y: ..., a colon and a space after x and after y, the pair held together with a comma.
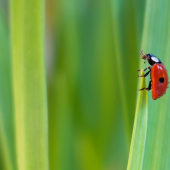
x: 91, y: 53
x: 92, y: 81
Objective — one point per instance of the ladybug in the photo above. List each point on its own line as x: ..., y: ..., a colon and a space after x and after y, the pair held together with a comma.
x: 158, y: 75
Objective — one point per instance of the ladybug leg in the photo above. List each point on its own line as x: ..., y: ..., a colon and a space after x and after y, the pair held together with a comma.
x: 147, y: 89
x: 142, y: 89
x: 146, y: 69
x: 145, y: 74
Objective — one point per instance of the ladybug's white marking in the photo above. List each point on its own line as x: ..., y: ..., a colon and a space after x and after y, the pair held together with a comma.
x: 160, y: 68
x: 155, y: 59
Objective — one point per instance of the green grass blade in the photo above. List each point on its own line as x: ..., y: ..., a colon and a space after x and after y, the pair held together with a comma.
x: 156, y: 41
x: 139, y: 130
x: 7, y: 141
x: 6, y: 161
x: 27, y: 31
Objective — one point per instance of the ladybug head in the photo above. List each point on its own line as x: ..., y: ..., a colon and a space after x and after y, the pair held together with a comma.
x: 150, y: 58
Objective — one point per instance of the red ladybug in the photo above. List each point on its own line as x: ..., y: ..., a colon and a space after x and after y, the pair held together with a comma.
x: 158, y: 75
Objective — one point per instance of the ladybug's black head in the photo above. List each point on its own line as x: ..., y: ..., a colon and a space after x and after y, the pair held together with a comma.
x: 150, y: 58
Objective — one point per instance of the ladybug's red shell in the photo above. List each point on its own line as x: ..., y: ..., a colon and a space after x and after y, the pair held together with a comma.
x: 159, y: 78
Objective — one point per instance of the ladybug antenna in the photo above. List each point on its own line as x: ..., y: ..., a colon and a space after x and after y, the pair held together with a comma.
x: 142, y: 55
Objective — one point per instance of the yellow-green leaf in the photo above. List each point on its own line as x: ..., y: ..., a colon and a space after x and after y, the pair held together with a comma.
x: 137, y: 147
x: 29, y: 83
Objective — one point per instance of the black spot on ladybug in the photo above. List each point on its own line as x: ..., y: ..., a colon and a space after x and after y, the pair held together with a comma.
x: 161, y: 80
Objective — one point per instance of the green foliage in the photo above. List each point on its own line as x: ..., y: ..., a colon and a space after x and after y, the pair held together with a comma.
x: 156, y: 40
x: 28, y: 68
x: 92, y: 58
x: 88, y: 88
x: 137, y: 148
x: 7, y: 142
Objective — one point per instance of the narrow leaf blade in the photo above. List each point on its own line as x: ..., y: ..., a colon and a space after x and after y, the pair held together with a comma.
x: 29, y: 84
x: 139, y: 130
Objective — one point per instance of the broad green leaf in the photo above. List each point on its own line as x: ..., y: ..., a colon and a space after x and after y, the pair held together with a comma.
x: 29, y: 84
x: 137, y: 147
